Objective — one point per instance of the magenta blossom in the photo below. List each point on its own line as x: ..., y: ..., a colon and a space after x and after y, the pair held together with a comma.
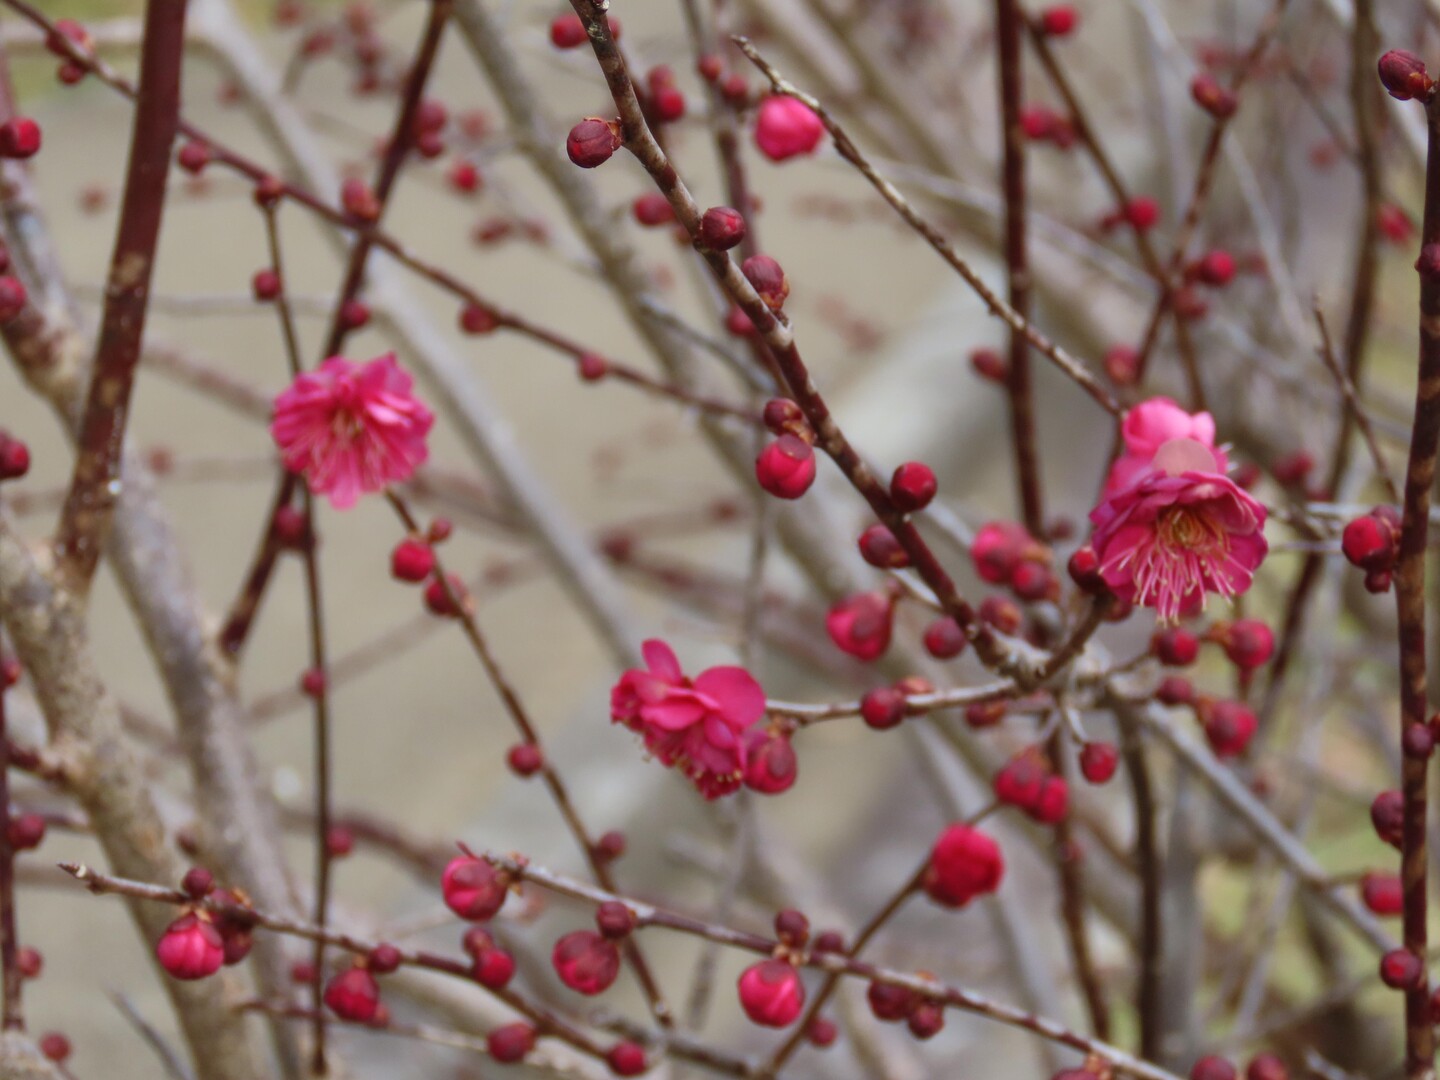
x: 351, y: 428
x: 697, y: 726
x: 1149, y: 426
x: 1178, y: 532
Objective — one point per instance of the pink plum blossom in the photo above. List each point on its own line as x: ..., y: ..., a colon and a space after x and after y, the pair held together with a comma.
x: 351, y: 428
x: 1179, y: 531
x: 697, y: 726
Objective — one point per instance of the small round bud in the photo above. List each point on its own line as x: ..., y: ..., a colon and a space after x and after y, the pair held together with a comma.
x: 1058, y: 21
x: 1404, y: 76
x: 610, y: 846
x: 786, y: 467
x: 339, y: 841
x: 722, y: 228
x: 359, y: 200
x: 1387, y: 815
x: 880, y: 549
x: 54, y: 1046
x: 266, y: 285
x: 567, y: 31
x: 477, y: 319
x: 926, y: 1020
x: 1215, y: 268
x: 821, y: 1032
x: 384, y: 958
x: 882, y: 708
x: 25, y: 832
x: 12, y: 297
x: 1266, y: 1067
x: 783, y: 417
x: 652, y: 209
x: 792, y: 928
x: 771, y: 993
x: 1175, y: 647
x: 586, y: 962
x: 768, y: 279
x: 1122, y: 364
x: 1098, y: 761
x: 890, y: 1003
x: 944, y: 639
x: 615, y: 920
x: 19, y: 138
x: 1383, y: 893
x: 989, y: 364
x: 592, y: 142
x: 412, y: 561
x: 194, y: 156
x: 1212, y: 1067
x: 198, y: 883
x: 1401, y: 969
x: 1212, y: 97
x: 268, y: 191
x: 525, y: 759
x: 912, y: 487
x: 510, y: 1043
x: 592, y: 367
x: 626, y: 1059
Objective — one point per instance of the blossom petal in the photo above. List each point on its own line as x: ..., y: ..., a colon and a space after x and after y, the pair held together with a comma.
x: 739, y: 697
x: 661, y: 660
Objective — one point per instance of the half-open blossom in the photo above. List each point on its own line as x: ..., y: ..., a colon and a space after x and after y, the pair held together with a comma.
x: 1149, y: 426
x: 1179, y: 531
x: 351, y: 428
x: 697, y: 726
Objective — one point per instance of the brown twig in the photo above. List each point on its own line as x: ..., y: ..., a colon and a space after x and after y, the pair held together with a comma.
x: 1009, y: 23
x: 1410, y: 609
x: 95, y: 485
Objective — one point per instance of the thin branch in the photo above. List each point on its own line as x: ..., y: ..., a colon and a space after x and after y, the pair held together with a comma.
x: 95, y: 485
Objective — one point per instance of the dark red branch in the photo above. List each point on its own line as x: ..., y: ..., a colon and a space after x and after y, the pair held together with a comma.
x: 95, y: 485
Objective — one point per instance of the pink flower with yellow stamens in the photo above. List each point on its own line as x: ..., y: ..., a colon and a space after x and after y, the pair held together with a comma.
x: 1178, y: 531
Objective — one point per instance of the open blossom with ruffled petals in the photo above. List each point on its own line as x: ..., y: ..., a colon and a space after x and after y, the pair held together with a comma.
x: 697, y: 726
x: 1178, y: 532
x: 351, y: 428
x: 1149, y: 426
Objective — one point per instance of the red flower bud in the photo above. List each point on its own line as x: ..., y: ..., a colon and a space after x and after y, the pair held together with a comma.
x: 510, y: 1043
x: 1404, y: 76
x: 359, y: 200
x: 190, y: 948
x: 464, y: 176
x: 1212, y: 1067
x: 586, y: 962
x: 1175, y: 647
x: 1401, y: 969
x: 912, y: 487
x: 771, y: 993
x: 266, y: 285
x: 879, y: 548
x: 771, y: 765
x: 1059, y: 20
x: 882, y: 708
x: 786, y: 467
x: 1215, y: 268
x: 1248, y: 643
x: 493, y: 968
x: 1266, y: 1067
x: 567, y: 31
x: 891, y: 1003
x: 627, y: 1059
x: 1098, y: 761
x: 1382, y: 893
x: 721, y: 228
x: 615, y: 920
x: 525, y: 759
x: 476, y: 319
x: 784, y: 127
x: 768, y: 279
x: 55, y: 1046
x: 1229, y: 727
x: 473, y: 888
x: 861, y: 624
x: 926, y: 1020
x: 19, y: 137
x: 592, y: 142
x: 1002, y: 613
x: 412, y: 560
x: 1387, y: 814
x: 1215, y: 99
x: 944, y: 639
x: 989, y: 364
x: 964, y: 864
x: 1142, y: 212
x: 1122, y: 364
x: 652, y: 209
x: 194, y: 156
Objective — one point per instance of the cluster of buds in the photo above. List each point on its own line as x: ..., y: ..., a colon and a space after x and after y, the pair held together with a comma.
x: 786, y: 466
x: 1372, y: 542
x: 771, y: 991
x: 924, y: 1016
x: 413, y: 561
x: 1004, y: 553
x: 67, y: 39
x: 663, y: 102
x: 200, y: 941
x: 1026, y: 782
x: 1042, y: 124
